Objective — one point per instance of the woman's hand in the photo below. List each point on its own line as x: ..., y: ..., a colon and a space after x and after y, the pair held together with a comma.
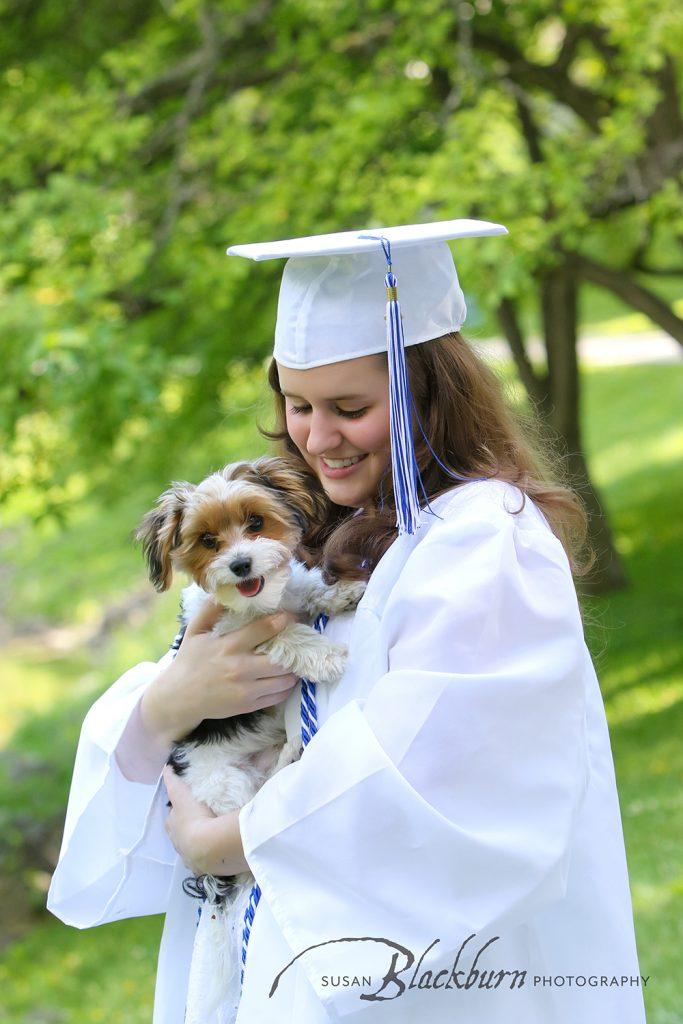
x: 207, y: 843
x: 215, y: 676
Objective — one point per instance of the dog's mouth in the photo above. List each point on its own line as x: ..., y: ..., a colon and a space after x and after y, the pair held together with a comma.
x: 252, y: 587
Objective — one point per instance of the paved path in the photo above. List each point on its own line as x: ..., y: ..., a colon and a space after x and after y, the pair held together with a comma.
x: 602, y: 350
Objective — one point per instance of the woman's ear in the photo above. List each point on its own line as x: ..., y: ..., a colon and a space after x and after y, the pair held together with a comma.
x: 302, y: 492
x: 159, y: 533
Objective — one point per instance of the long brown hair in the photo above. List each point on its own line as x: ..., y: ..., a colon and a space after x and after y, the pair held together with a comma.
x: 475, y: 432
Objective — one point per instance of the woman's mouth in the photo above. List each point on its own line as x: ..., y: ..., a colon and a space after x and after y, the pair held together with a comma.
x: 252, y: 587
x: 336, y: 468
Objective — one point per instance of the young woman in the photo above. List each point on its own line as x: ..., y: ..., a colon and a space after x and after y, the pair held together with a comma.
x: 449, y: 845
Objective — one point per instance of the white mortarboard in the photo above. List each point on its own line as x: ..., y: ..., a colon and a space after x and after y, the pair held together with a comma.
x: 332, y: 307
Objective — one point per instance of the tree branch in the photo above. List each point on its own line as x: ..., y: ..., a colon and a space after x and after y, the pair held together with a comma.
x: 175, y: 81
x: 181, y: 124
x: 643, y: 178
x: 531, y: 134
x: 535, y: 385
x: 644, y: 268
x: 589, y: 105
x: 242, y: 76
x: 171, y: 83
x: 665, y: 123
x: 631, y: 291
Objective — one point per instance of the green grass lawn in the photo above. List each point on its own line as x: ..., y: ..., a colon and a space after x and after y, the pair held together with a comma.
x: 635, y: 435
x: 57, y: 975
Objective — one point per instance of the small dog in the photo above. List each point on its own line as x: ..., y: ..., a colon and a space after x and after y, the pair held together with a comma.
x: 236, y: 534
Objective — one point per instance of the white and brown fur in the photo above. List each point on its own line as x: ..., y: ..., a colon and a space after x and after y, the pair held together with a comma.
x: 244, y: 522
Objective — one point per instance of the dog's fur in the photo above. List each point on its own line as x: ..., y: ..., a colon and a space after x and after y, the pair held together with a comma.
x: 240, y: 527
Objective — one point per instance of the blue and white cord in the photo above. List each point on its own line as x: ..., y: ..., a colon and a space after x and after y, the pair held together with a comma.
x: 309, y: 727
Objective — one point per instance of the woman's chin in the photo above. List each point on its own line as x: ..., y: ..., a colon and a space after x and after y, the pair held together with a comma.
x: 357, y: 490
x: 343, y: 492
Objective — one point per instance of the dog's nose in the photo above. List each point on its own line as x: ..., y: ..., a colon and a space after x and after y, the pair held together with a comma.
x: 241, y: 567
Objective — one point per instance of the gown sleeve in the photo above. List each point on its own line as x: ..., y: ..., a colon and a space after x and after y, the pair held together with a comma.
x: 443, y: 803
x: 116, y: 859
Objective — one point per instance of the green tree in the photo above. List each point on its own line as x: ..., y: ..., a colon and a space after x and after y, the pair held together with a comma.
x: 140, y: 140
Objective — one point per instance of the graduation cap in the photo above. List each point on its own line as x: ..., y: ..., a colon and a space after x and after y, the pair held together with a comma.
x: 332, y: 307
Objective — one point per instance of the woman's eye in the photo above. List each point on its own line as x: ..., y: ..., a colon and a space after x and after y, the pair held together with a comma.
x: 254, y: 523
x: 208, y: 540
x: 352, y: 414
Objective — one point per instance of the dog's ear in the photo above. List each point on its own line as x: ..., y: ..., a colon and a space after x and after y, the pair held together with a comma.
x: 301, y: 491
x: 159, y: 532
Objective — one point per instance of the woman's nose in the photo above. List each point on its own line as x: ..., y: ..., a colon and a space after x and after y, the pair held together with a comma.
x: 322, y: 435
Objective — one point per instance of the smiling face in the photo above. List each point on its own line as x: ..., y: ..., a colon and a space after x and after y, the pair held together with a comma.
x: 338, y: 417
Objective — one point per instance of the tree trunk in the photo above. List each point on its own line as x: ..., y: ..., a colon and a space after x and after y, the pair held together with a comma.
x: 559, y: 312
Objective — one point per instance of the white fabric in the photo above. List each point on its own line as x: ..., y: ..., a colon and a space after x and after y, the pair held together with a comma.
x: 333, y: 308
x: 402, y: 236
x: 461, y: 782
x: 332, y: 300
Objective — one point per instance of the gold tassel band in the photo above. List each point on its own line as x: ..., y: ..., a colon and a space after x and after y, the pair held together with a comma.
x: 392, y: 294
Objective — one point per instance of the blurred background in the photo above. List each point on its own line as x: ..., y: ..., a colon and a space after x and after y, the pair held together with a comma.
x: 141, y: 138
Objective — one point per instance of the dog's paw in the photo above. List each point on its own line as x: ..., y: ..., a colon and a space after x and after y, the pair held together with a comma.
x: 346, y: 595
x: 282, y: 648
x: 332, y: 663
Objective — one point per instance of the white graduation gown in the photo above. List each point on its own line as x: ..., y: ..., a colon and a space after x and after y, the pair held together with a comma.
x: 457, y: 806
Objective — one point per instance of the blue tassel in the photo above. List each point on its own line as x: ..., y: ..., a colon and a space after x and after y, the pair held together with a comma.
x: 406, y: 474
x: 403, y: 459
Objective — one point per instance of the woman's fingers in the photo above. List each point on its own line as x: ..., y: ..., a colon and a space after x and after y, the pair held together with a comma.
x: 270, y: 683
x: 271, y: 690
x: 205, y: 619
x: 259, y: 666
x: 181, y: 794
x: 176, y: 788
x: 221, y: 676
x: 169, y: 781
x: 276, y: 684
x: 260, y: 630
x: 246, y: 637
x: 268, y: 699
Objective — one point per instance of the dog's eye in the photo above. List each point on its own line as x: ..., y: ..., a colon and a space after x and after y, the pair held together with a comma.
x: 254, y: 523
x: 209, y: 541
